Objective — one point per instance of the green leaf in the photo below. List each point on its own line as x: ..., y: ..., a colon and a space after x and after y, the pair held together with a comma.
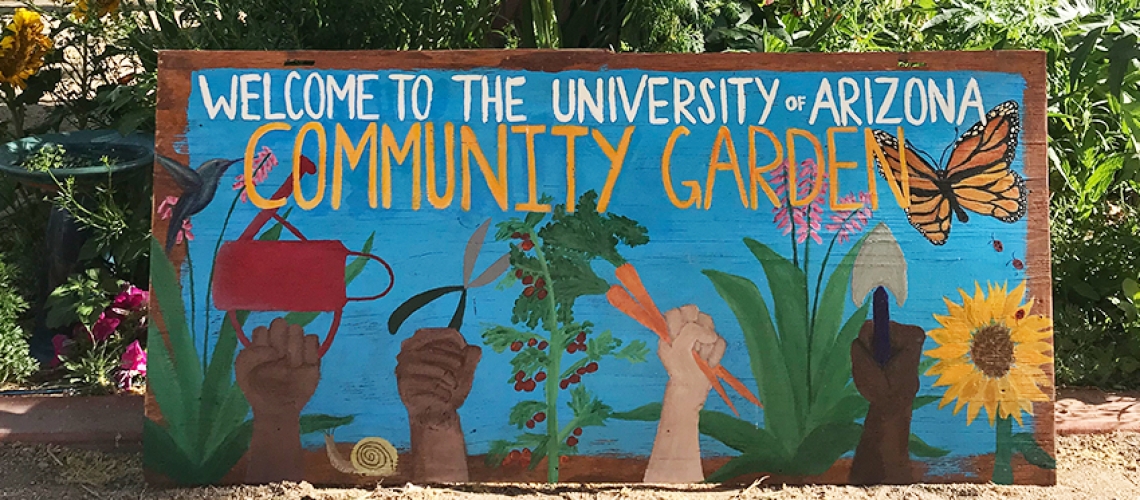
x: 823, y: 446
x: 834, y: 381
x: 921, y: 401
x: 767, y: 361
x: 739, y: 434
x: 524, y: 411
x: 634, y: 352
x: 847, y: 409
x: 354, y: 268
x: 1120, y: 59
x: 162, y: 454
x: 591, y: 233
x: 184, y: 415
x: 1026, y: 444
x: 218, y: 464
x: 745, y: 464
x: 323, y: 423
x: 220, y: 406
x: 588, y: 410
x: 499, y: 338
x: 920, y: 449
x: 647, y: 413
x: 788, y: 286
x: 828, y: 319
x: 400, y: 315
x: 1081, y: 55
x: 233, y: 411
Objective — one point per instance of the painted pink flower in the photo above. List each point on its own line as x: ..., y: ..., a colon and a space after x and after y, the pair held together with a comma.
x: 165, y: 209
x: 129, y: 300
x: 806, y: 219
x: 263, y: 165
x: 105, y: 326
x: 848, y: 223
x: 61, y: 344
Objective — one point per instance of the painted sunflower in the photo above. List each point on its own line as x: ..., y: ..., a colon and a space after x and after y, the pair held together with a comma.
x: 990, y: 353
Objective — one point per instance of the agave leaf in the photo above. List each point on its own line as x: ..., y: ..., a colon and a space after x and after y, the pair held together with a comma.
x: 788, y: 286
x: 767, y: 360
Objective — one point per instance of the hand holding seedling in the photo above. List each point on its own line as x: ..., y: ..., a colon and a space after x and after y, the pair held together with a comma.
x: 434, y: 372
x: 278, y: 373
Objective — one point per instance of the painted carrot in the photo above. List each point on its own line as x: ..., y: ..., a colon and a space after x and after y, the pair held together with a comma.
x: 735, y: 383
x: 628, y: 276
x: 622, y: 301
x: 710, y: 373
x: 639, y: 306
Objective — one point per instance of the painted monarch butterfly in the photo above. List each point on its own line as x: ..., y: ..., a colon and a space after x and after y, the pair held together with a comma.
x: 976, y: 178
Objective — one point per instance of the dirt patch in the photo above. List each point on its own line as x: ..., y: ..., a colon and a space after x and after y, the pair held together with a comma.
x: 1089, y: 466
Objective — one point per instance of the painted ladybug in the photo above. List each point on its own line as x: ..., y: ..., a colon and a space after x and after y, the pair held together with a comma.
x: 1017, y: 264
x: 998, y: 247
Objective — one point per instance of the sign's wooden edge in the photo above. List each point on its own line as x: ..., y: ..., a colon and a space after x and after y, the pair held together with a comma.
x: 174, y: 93
x: 1014, y: 61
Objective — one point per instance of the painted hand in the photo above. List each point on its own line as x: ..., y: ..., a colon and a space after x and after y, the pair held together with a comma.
x: 690, y: 331
x: 280, y: 369
x: 434, y: 372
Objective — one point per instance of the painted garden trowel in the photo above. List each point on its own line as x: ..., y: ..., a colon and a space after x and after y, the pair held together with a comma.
x: 884, y: 363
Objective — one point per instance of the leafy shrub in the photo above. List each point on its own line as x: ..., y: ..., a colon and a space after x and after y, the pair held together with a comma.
x: 15, y: 362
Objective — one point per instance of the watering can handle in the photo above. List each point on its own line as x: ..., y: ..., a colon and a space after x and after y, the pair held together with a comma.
x: 391, y: 276
x: 324, y: 345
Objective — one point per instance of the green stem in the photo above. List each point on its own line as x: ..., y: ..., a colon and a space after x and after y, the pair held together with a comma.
x: 557, y: 344
x: 17, y: 111
x: 217, y: 247
x: 809, y: 320
x: 193, y: 327
x: 1003, y: 452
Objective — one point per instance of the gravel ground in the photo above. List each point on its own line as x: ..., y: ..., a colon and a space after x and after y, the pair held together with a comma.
x: 1090, y: 466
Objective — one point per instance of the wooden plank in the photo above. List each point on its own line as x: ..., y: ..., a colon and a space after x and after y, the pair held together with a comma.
x: 824, y: 377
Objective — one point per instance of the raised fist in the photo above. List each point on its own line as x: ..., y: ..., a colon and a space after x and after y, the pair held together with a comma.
x: 434, y: 372
x: 280, y: 369
x: 690, y: 331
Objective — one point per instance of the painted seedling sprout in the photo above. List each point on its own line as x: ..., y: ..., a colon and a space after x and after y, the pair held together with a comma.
x: 418, y: 301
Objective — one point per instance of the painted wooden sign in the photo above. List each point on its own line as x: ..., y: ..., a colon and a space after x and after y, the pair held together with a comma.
x: 581, y: 266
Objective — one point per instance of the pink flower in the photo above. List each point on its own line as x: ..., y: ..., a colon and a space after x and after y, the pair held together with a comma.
x: 133, y: 364
x: 263, y: 165
x: 61, y: 345
x: 105, y: 326
x: 851, y: 222
x: 806, y: 219
x: 134, y: 359
x: 129, y: 300
x: 164, y: 210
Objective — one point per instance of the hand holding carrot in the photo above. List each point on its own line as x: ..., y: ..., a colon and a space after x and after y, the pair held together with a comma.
x: 691, y: 331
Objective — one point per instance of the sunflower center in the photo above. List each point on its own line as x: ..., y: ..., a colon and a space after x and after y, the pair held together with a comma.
x: 992, y: 350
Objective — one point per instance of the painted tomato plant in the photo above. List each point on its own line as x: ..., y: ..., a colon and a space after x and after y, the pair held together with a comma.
x: 554, y: 352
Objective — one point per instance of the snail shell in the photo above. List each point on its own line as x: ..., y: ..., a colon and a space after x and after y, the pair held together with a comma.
x: 371, y: 456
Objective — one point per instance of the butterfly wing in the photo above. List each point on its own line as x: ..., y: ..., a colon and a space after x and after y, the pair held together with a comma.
x: 929, y: 210
x: 979, y: 168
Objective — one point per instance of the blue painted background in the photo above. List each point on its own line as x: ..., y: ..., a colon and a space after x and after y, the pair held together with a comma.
x: 425, y: 248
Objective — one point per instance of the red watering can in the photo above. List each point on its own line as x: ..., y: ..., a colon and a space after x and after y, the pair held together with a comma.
x: 296, y: 276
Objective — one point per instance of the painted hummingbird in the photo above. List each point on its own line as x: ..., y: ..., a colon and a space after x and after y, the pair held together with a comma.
x: 198, y: 189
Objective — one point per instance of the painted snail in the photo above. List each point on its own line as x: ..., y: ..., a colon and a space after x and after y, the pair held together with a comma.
x: 371, y: 456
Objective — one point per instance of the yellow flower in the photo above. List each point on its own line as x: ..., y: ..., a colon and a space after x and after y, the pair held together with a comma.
x: 23, y: 48
x: 990, y: 353
x: 83, y: 8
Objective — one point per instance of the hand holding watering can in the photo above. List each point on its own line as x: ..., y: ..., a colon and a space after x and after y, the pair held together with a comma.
x: 295, y: 276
